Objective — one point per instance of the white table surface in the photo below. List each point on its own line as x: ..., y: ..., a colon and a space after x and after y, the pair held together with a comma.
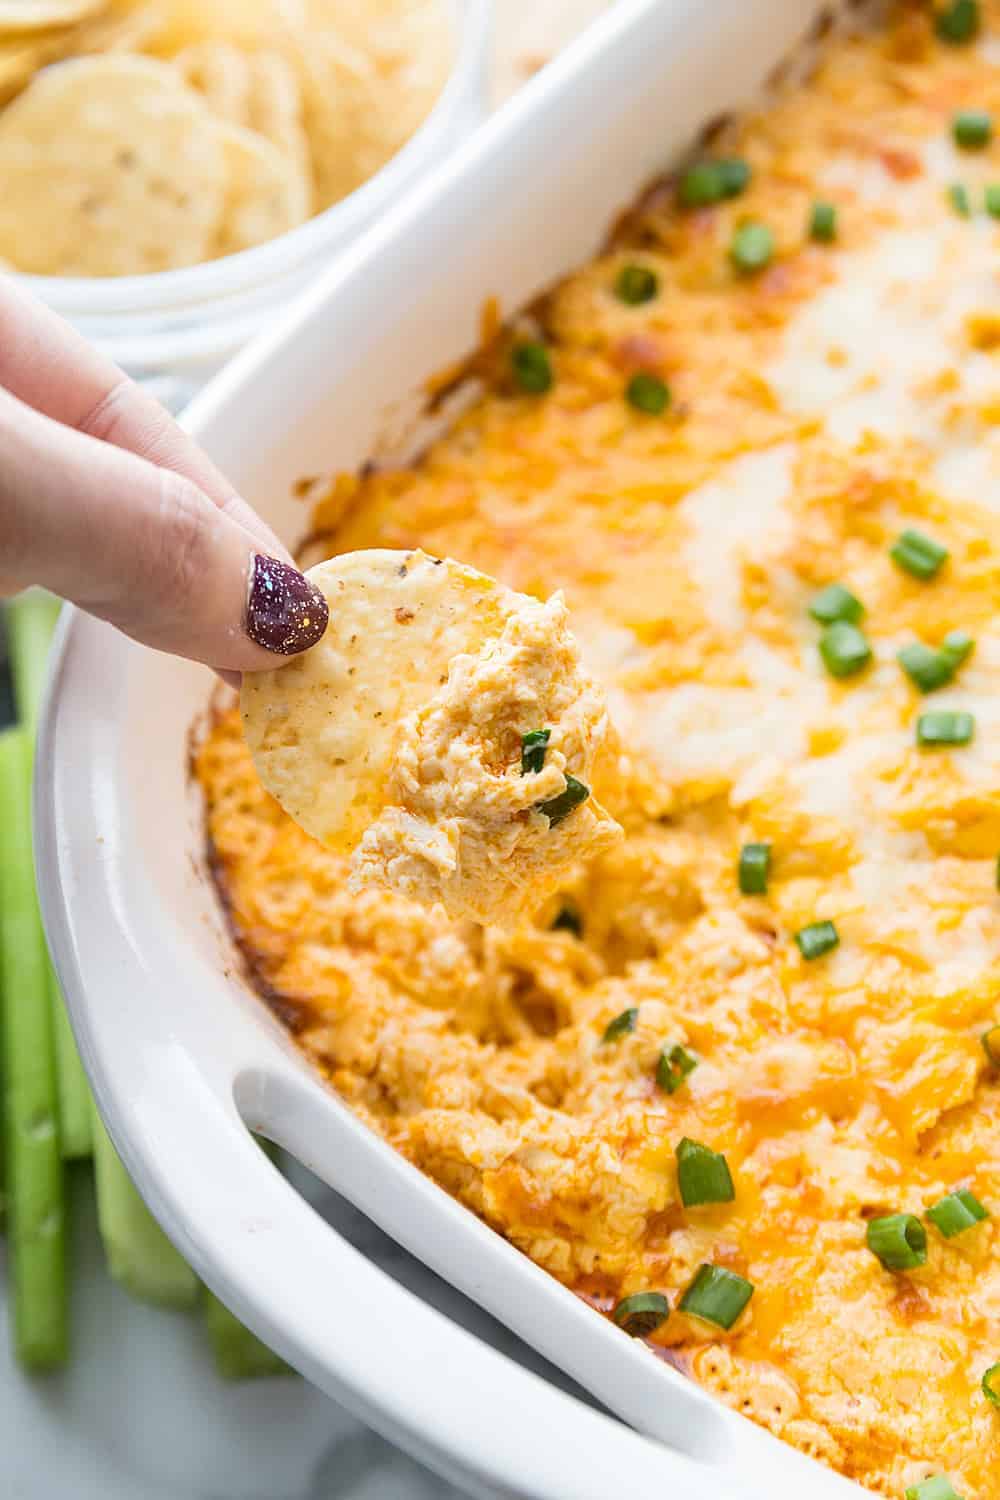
x: 140, y: 1413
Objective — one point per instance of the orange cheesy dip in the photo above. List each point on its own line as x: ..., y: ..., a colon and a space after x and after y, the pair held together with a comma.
x: 745, y: 1067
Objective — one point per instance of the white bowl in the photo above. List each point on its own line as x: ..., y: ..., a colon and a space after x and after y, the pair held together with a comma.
x: 182, y: 1056
x: 189, y: 321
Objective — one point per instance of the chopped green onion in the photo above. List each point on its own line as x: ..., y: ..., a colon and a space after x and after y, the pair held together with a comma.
x: 754, y: 866
x: 636, y: 284
x: 734, y: 174
x: 816, y: 939
x: 701, y: 185
x: 844, y: 649
x: 709, y: 182
x: 958, y: 22
x: 674, y: 1066
x: 621, y: 1025
x: 899, y: 1241
x: 752, y: 248
x: 532, y: 368
x: 944, y: 728
x: 991, y: 1385
x: 957, y: 646
x: 991, y: 1044
x: 823, y: 222
x: 958, y: 197
x: 926, y: 668
x: 703, y: 1176
x: 991, y: 200
x: 717, y: 1295
x: 642, y: 1313
x: 938, y: 1488
x: 836, y: 603
x: 648, y: 393
x: 957, y: 1212
x: 972, y: 129
x: 533, y: 747
x: 568, y: 919
x: 918, y: 554
x: 559, y: 807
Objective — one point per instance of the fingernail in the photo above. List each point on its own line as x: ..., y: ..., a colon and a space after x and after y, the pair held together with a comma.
x: 285, y: 612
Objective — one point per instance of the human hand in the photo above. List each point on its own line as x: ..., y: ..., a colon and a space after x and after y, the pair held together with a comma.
x: 108, y: 503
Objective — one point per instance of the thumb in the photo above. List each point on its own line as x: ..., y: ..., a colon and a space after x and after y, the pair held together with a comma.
x: 145, y: 548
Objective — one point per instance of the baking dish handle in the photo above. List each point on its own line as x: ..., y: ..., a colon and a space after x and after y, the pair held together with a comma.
x: 260, y: 1246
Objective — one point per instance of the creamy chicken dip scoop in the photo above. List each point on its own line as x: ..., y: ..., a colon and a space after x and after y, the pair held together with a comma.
x: 442, y: 733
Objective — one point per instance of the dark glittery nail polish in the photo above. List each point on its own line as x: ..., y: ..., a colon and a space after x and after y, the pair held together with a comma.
x: 285, y: 612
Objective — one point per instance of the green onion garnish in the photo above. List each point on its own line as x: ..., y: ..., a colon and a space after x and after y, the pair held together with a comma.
x: 823, y: 222
x: 701, y: 185
x: 703, y: 1175
x: 559, y: 807
x: 918, y: 554
x: 568, y: 919
x: 927, y: 669
x: 958, y: 22
x: 991, y: 1385
x: 943, y: 728
x: 717, y: 1295
x: 752, y: 248
x: 754, y: 866
x: 899, y: 1241
x: 674, y: 1065
x: 532, y: 368
x: 636, y: 284
x: 991, y: 200
x: 844, y: 649
x: 816, y: 939
x: 836, y: 603
x: 734, y: 174
x: 958, y: 197
x: 648, y: 393
x: 957, y: 646
x: 972, y: 129
x: 957, y: 1212
x: 709, y: 182
x: 991, y: 1045
x: 938, y: 1488
x: 533, y: 747
x: 642, y: 1313
x: 621, y: 1025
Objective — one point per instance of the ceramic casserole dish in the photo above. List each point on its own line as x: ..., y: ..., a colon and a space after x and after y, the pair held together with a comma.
x: 183, y: 1056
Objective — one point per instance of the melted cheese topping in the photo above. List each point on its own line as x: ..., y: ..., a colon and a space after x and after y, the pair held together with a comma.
x: 846, y: 392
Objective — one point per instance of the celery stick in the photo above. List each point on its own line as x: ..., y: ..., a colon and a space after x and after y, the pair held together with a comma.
x: 31, y: 619
x: 238, y: 1353
x: 138, y: 1253
x: 75, y: 1106
x: 36, y: 1200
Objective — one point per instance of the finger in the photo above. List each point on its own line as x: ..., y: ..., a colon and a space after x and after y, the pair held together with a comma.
x: 144, y: 548
x: 51, y: 367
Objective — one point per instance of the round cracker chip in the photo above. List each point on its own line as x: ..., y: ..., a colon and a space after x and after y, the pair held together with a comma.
x: 322, y: 728
x: 267, y: 192
x: 221, y: 74
x: 39, y: 15
x: 134, y: 175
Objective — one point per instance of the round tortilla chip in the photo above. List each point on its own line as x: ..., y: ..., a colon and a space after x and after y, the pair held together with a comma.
x: 267, y: 193
x: 134, y: 174
x: 221, y: 74
x: 321, y: 729
x: 39, y: 15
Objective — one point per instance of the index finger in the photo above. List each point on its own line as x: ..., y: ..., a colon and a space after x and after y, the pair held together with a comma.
x: 51, y: 367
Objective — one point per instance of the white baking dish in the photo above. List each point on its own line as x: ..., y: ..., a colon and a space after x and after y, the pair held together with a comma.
x: 181, y: 1055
